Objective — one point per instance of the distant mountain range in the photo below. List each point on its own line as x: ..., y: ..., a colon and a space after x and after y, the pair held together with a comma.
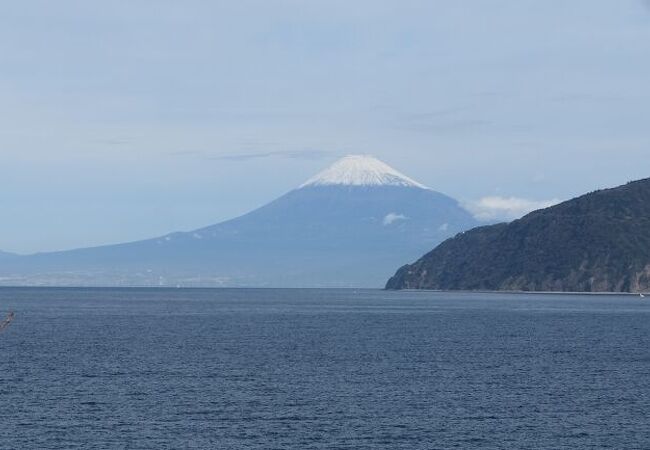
x: 350, y: 225
x: 5, y: 255
x: 599, y: 242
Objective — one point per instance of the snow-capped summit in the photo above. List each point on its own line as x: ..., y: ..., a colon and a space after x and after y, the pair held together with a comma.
x: 350, y: 226
x: 361, y: 170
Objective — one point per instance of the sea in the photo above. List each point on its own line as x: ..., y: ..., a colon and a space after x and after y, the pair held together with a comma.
x: 322, y: 369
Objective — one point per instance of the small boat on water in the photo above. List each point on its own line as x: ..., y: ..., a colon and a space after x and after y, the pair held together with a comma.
x: 5, y: 323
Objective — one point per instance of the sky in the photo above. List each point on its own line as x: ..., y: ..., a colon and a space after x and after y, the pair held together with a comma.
x: 125, y: 120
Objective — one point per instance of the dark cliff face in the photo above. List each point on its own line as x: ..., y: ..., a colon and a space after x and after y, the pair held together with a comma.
x: 599, y: 242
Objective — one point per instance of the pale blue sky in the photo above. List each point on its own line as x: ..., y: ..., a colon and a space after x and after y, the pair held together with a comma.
x: 124, y: 120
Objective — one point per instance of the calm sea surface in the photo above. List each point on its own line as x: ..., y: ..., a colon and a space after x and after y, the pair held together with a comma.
x: 303, y: 369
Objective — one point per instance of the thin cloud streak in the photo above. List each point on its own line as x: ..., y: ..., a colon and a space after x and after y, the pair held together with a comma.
x: 288, y: 154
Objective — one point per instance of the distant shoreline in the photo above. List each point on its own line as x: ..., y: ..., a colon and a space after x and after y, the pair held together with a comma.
x: 328, y: 288
x: 635, y: 294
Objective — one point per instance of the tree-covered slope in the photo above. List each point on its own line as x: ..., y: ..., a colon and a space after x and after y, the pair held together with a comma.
x: 599, y: 242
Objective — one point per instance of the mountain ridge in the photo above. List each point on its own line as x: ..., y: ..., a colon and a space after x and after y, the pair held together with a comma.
x: 598, y: 242
x: 318, y: 235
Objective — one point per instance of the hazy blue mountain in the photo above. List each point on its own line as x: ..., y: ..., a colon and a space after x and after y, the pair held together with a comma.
x: 6, y: 255
x: 599, y: 242
x: 348, y: 226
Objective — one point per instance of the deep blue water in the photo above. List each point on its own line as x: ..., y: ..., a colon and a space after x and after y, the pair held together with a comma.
x: 303, y: 369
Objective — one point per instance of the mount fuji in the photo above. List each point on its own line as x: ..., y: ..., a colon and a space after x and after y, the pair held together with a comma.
x: 348, y: 226
x: 5, y: 255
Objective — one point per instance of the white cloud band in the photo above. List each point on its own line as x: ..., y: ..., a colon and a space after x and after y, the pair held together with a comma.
x: 494, y: 208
